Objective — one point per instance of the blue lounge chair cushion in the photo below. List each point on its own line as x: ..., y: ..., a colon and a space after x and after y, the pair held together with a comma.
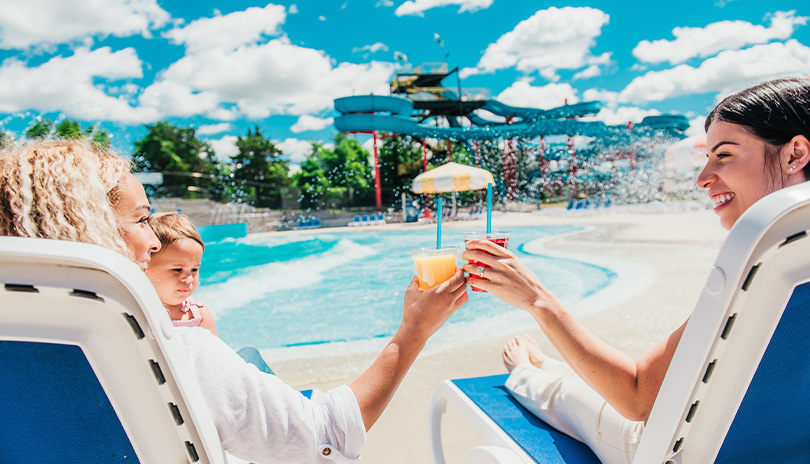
x: 540, y: 441
x: 53, y: 408
x: 772, y: 424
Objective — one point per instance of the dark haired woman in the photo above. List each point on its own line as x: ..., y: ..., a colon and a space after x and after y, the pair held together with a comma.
x: 757, y: 143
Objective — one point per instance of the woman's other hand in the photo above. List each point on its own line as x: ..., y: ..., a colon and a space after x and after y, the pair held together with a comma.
x: 506, y: 277
x: 426, y: 310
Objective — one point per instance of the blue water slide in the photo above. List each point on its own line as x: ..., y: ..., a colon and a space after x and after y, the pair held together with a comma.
x: 366, y: 113
x: 374, y: 104
x: 367, y: 122
x: 566, y: 111
x: 666, y: 121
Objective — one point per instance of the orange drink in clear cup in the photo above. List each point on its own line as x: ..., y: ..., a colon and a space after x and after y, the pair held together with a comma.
x: 434, y: 265
x: 499, y: 238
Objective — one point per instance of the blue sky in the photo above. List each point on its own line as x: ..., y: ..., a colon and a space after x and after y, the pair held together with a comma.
x: 223, y: 67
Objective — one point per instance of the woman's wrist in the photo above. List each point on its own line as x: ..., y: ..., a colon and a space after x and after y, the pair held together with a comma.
x: 410, y: 336
x: 541, y: 304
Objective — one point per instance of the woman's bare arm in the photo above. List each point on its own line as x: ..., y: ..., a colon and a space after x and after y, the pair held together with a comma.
x: 629, y: 386
x: 423, y: 313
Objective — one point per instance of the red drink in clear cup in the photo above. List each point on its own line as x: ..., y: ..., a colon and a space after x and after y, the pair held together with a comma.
x: 499, y: 238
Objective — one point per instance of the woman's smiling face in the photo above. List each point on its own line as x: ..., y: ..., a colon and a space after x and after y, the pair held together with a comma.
x: 735, y: 174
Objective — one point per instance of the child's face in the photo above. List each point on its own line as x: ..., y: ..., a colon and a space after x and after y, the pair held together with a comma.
x: 174, y: 270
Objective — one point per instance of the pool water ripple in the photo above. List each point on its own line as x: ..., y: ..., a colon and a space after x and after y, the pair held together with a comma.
x: 282, y: 291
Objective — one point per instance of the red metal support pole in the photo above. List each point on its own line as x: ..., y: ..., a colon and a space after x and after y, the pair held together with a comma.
x: 572, y: 176
x: 543, y: 163
x: 424, y: 154
x: 377, y: 186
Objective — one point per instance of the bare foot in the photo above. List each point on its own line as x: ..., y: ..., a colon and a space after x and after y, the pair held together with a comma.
x: 520, y: 350
x: 536, y: 355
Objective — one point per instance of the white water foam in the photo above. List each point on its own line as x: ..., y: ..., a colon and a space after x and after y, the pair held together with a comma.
x: 259, y: 282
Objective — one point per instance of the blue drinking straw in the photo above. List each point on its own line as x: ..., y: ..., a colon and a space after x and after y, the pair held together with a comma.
x: 438, y: 223
x: 489, y: 208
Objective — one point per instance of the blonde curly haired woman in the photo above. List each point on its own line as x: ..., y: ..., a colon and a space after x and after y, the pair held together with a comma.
x: 69, y: 191
x: 52, y: 190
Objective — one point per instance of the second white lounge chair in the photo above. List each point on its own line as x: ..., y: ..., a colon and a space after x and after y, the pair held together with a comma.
x: 737, y: 387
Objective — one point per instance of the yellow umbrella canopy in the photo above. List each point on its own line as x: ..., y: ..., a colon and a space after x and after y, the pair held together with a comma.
x: 452, y: 177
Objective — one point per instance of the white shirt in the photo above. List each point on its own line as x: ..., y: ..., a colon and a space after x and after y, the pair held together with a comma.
x: 264, y: 420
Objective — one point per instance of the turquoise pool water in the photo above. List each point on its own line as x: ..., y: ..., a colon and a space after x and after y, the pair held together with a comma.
x: 284, y: 291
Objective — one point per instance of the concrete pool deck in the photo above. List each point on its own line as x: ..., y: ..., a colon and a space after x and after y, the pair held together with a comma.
x: 678, y: 245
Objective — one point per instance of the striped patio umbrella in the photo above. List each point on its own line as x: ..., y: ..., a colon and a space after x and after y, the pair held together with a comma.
x: 452, y: 177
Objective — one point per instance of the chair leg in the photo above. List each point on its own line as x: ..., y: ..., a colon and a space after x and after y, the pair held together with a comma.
x: 437, y: 410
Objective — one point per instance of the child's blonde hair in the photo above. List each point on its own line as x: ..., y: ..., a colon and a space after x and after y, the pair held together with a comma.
x: 170, y: 227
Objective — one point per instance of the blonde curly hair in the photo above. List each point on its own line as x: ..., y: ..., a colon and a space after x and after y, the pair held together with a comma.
x: 62, y: 190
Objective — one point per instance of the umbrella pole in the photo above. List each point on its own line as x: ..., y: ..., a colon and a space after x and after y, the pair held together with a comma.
x: 454, y: 203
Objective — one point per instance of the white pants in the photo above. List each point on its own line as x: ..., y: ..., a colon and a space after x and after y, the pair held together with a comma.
x: 557, y: 395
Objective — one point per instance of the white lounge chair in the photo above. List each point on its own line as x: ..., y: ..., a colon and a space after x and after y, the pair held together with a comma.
x: 89, y: 369
x: 737, y: 387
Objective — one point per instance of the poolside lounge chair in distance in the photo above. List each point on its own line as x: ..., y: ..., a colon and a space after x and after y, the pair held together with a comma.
x: 737, y: 386
x: 89, y: 369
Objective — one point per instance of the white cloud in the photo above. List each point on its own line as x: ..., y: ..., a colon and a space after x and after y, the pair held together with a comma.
x: 523, y: 94
x: 622, y: 115
x: 78, y: 90
x: 172, y: 98
x: 551, y: 39
x: 418, y: 7
x: 696, y: 126
x: 230, y: 31
x: 273, y: 78
x: 297, y: 149
x: 45, y: 23
x: 293, y: 9
x: 373, y: 48
x: 728, y: 71
x: 467, y: 72
x: 310, y: 123
x: 224, y: 148
x: 208, y: 129
x: 724, y: 35
x: 605, y: 96
x: 226, y: 77
x: 591, y: 71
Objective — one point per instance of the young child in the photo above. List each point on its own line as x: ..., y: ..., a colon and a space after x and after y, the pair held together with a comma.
x: 174, y: 270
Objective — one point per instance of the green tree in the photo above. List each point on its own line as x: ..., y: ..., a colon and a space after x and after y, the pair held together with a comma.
x: 336, y: 175
x: 348, y: 166
x: 5, y: 139
x: 68, y: 129
x: 258, y: 170
x: 188, y: 164
x: 41, y: 129
x: 311, y: 182
x: 400, y: 162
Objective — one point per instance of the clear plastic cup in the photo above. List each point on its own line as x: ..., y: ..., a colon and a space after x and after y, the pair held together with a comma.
x: 498, y: 237
x: 434, y: 266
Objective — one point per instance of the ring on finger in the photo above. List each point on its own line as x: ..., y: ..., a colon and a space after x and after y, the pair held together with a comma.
x: 481, y: 271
